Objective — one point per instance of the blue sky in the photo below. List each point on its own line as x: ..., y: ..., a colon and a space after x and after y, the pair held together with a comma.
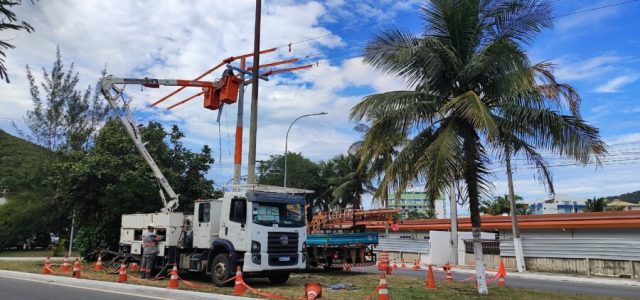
x: 595, y: 51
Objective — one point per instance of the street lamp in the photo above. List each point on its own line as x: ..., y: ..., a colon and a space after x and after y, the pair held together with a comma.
x: 286, y: 142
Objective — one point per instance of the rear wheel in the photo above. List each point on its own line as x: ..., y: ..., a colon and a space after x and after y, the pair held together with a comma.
x: 279, y: 277
x: 220, y: 270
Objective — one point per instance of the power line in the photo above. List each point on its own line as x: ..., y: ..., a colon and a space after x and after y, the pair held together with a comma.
x: 596, y: 8
x: 415, y: 13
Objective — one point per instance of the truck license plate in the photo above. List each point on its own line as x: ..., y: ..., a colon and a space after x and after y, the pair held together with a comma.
x: 284, y: 258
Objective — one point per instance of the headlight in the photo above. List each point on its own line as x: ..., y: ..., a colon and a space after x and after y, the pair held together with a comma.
x: 255, y: 247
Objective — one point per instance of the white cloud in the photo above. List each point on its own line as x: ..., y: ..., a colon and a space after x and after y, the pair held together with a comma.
x: 586, y: 19
x: 614, y: 85
x: 624, y: 139
x: 573, y: 69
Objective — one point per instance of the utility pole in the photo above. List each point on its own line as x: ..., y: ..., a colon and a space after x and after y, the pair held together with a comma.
x: 454, y: 223
x: 253, y: 130
x: 517, y: 243
x: 237, y: 158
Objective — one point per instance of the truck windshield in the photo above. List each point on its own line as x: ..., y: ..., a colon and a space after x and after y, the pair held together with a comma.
x: 283, y: 214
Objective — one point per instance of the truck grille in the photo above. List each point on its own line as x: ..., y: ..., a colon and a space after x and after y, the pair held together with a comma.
x: 282, y: 242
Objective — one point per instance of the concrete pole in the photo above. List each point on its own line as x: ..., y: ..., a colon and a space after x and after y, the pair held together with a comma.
x: 253, y: 127
x: 454, y: 223
x: 73, y: 223
x: 517, y: 243
x: 237, y: 159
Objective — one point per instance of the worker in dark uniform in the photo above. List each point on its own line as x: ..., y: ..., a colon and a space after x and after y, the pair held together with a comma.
x: 150, y: 250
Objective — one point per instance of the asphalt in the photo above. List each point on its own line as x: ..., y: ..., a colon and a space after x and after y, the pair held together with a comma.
x: 19, y: 285
x: 597, y: 287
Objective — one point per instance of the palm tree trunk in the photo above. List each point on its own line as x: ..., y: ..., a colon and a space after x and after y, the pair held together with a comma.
x: 454, y: 223
x: 517, y: 244
x: 471, y: 178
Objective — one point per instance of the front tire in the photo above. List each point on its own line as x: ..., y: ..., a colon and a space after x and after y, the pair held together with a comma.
x: 279, y: 277
x: 221, y: 270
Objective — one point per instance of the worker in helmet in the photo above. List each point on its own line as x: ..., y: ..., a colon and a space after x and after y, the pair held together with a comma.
x: 150, y: 250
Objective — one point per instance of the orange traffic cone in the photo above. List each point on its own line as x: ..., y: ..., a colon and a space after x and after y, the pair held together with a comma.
x: 312, y: 291
x: 122, y: 274
x: 239, y: 288
x: 66, y: 267
x: 383, y: 290
x: 501, y: 269
x: 447, y: 270
x: 431, y: 282
x: 133, y: 267
x: 395, y: 265
x: 173, y: 281
x: 99, y: 265
x: 502, y: 273
x: 416, y: 265
x: 76, y: 269
x: 402, y: 265
x: 47, y: 266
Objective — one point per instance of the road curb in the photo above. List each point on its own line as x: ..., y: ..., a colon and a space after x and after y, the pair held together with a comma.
x: 564, y: 278
x: 139, y: 290
x: 32, y: 259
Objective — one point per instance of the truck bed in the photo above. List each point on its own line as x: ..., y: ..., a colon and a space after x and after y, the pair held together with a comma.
x: 342, y: 239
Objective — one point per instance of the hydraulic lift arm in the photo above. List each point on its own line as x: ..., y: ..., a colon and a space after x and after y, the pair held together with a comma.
x: 113, y: 94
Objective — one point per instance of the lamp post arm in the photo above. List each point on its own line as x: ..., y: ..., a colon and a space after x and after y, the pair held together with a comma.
x: 286, y: 142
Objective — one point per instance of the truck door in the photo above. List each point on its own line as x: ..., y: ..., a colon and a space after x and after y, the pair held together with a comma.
x: 235, y: 229
x: 202, y: 229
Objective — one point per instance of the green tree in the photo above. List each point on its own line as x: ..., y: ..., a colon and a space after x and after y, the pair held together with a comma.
x: 374, y: 160
x: 596, y: 205
x: 9, y: 21
x: 112, y: 179
x: 500, y: 205
x: 349, y: 182
x: 471, y: 85
x: 302, y: 173
x: 65, y: 118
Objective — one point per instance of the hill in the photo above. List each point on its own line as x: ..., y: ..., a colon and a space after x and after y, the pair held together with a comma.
x: 21, y: 163
x: 633, y: 197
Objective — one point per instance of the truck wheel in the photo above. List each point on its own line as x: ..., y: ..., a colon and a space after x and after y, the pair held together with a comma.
x: 279, y: 277
x: 220, y: 270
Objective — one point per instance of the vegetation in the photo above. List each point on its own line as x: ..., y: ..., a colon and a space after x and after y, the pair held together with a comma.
x: 9, y: 21
x: 338, y: 183
x: 595, y: 205
x: 66, y: 118
x: 633, y: 197
x: 111, y: 179
x: 23, y: 174
x: 473, y: 91
x: 500, y: 205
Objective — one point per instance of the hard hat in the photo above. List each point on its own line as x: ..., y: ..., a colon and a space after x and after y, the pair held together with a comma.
x: 151, y: 225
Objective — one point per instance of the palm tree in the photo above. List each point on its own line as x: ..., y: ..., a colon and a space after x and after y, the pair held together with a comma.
x: 349, y: 182
x: 501, y: 205
x: 373, y: 161
x: 473, y: 90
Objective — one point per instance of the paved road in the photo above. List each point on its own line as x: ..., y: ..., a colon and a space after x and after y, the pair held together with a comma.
x: 537, y: 284
x: 19, y: 289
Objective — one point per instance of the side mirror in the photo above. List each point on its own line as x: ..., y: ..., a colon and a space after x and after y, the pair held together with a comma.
x: 242, y: 225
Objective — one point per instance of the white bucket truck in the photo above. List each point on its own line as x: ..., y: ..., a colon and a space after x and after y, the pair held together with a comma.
x: 260, y: 228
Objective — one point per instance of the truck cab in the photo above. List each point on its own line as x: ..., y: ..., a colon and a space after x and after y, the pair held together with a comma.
x: 263, y: 232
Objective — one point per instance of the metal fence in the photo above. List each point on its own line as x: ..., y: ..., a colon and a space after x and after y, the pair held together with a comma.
x: 403, y: 245
x: 599, y: 248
